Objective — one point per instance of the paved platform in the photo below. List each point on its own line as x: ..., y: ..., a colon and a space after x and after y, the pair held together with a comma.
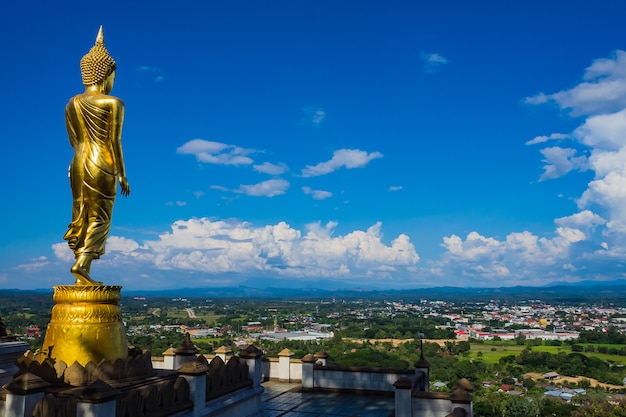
x: 287, y: 400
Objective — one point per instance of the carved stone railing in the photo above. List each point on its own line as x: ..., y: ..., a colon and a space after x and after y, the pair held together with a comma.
x: 220, y: 378
x: 224, y: 378
x: 128, y: 387
x: 59, y: 373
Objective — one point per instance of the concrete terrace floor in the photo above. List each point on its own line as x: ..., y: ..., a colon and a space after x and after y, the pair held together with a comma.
x: 287, y: 400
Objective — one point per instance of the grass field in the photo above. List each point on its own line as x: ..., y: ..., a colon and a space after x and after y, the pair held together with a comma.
x: 491, y: 353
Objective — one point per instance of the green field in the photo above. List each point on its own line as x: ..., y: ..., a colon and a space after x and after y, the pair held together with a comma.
x: 491, y: 352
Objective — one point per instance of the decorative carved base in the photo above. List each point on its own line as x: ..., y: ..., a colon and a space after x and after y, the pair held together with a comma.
x: 86, y: 325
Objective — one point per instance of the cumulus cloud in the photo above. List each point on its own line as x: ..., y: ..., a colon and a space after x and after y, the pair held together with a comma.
x: 603, y: 132
x: 269, y: 188
x: 602, y: 91
x: 271, y: 169
x: 220, y: 247
x: 433, y: 62
x: 348, y: 158
x: 504, y: 261
x: 600, y: 141
x: 559, y: 161
x: 121, y: 244
x: 317, y: 194
x: 63, y: 252
x: 216, y: 152
x: 585, y: 219
x: 609, y: 193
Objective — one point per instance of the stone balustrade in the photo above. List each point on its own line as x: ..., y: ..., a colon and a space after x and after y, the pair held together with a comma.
x: 188, y: 384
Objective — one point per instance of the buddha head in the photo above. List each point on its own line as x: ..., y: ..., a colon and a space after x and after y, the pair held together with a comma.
x: 97, y: 67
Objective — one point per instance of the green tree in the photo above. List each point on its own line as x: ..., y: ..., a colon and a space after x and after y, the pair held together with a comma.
x: 601, y: 409
x: 472, y: 370
x: 463, y: 346
x: 556, y: 407
x: 528, y: 383
x: 489, y: 405
x: 515, y: 406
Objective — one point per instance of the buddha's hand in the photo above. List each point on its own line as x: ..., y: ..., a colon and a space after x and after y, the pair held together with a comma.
x: 125, y: 186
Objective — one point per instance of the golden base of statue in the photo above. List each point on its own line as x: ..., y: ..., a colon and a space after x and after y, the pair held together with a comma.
x: 86, y: 325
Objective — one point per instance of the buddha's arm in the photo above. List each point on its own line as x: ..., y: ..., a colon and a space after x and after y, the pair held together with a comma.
x: 69, y: 123
x: 117, y: 120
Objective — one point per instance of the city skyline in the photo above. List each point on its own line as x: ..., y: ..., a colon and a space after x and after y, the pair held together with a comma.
x: 378, y: 145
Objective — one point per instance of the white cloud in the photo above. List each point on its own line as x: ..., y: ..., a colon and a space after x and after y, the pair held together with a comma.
x: 271, y: 169
x: 603, y: 91
x: 395, y: 188
x: 600, y: 143
x: 312, y: 116
x: 269, y: 188
x: 115, y: 246
x: 610, y: 193
x: 157, y: 72
x: 604, y: 131
x: 348, y: 158
x: 585, y: 219
x: 198, y: 194
x: 317, y: 194
x: 63, y: 252
x: 219, y: 247
x: 146, y: 68
x: 560, y: 161
x: 219, y: 187
x: 35, y: 264
x: 485, y: 259
x: 542, y: 139
x: 216, y: 152
x: 475, y: 246
x: 433, y: 62
x: 121, y: 244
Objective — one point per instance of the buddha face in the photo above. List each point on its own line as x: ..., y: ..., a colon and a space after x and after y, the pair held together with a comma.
x: 108, y: 83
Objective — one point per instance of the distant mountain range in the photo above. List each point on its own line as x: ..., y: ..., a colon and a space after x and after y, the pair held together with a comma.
x: 579, y: 292
x: 604, y: 291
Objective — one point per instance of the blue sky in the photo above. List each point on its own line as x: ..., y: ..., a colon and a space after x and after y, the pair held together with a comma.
x: 377, y: 144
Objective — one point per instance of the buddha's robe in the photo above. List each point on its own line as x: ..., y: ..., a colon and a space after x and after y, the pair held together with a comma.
x: 92, y: 173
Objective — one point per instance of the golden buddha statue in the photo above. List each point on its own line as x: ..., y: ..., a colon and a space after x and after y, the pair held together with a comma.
x: 94, y: 125
x: 86, y: 323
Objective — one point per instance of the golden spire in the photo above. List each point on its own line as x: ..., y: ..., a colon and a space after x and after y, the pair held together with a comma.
x: 97, y: 64
x: 100, y: 37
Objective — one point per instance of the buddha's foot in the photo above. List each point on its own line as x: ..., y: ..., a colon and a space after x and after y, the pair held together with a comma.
x: 82, y: 276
